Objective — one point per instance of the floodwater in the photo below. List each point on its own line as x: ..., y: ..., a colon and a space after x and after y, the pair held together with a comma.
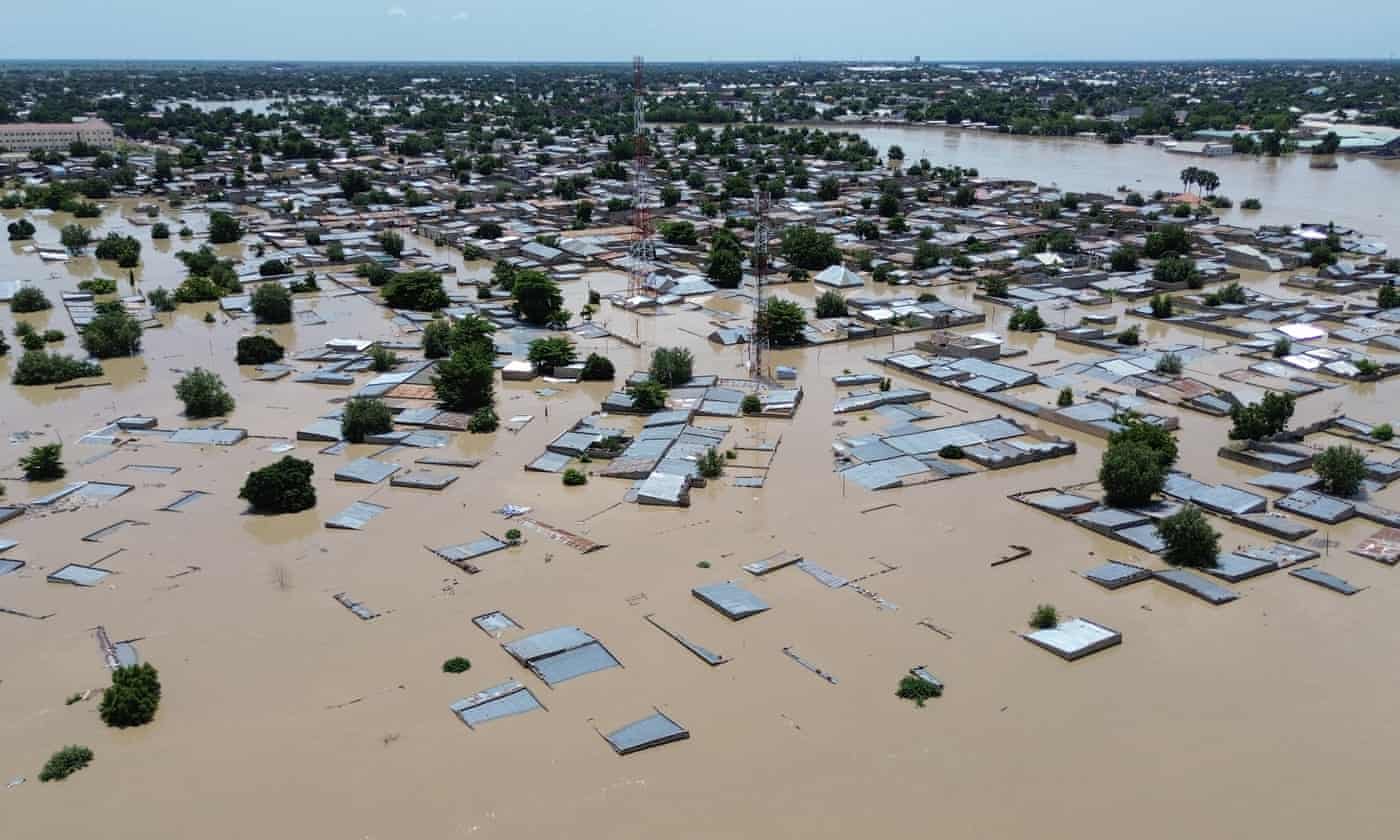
x: 1359, y: 193
x: 285, y: 716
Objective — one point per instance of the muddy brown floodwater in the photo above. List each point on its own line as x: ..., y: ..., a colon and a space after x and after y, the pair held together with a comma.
x: 1359, y: 193
x: 285, y: 716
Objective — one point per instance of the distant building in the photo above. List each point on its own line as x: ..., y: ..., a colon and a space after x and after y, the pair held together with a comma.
x: 54, y: 137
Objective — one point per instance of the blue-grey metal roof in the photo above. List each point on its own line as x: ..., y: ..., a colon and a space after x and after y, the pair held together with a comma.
x: 323, y: 430
x: 547, y: 643
x: 356, y: 516
x: 469, y: 551
x: 1142, y: 536
x: 423, y: 479
x: 209, y: 437
x: 1312, y: 574
x: 185, y: 500
x: 1237, y: 567
x: 7, y: 566
x: 549, y: 462
x: 1194, y: 584
x: 573, y: 663
x: 508, y: 698
x: 1316, y: 506
x: 78, y: 575
x: 1114, y: 575
x: 366, y: 471
x: 651, y: 731
x: 732, y: 600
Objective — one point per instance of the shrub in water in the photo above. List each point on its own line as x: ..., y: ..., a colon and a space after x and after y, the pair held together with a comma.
x: 272, y: 303
x: 37, y: 367
x: 918, y: 690
x: 574, y: 477
x: 1189, y: 538
x: 132, y: 698
x: 29, y: 299
x: 111, y: 333
x: 671, y: 366
x: 43, y: 463
x: 456, y: 665
x: 364, y: 416
x: 65, y: 763
x: 598, y: 368
x: 483, y: 421
x: 258, y: 350
x: 281, y: 487
x: 203, y: 394
x: 1045, y: 617
x: 1342, y: 469
x: 648, y: 396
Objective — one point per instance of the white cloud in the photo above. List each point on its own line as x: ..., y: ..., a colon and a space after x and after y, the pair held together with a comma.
x: 397, y: 11
x: 460, y: 16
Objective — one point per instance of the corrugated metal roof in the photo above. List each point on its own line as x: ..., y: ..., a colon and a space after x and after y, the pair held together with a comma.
x: 651, y: 731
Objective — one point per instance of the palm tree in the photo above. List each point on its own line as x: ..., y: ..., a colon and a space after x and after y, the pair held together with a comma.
x: 1208, y: 180
x: 1189, y: 176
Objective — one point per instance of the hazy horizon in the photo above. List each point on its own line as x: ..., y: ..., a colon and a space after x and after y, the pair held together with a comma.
x: 607, y: 31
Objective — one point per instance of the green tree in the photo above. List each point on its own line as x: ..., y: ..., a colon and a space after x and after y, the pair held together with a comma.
x: 1131, y: 473
x: 437, y: 339
x: 598, y: 368
x: 44, y: 463
x: 1154, y: 437
x: 75, y: 238
x: 281, y: 487
x: 133, y: 697
x: 1168, y: 239
x: 781, y: 322
x: 1124, y: 258
x: 160, y: 230
x: 126, y: 250
x: 420, y: 291
x: 483, y: 421
x: 258, y: 350
x: 805, y: 248
x: 365, y: 416
x: 224, y: 228
x: 65, y: 763
x: 112, y: 332
x: 671, y: 366
x: 1262, y: 419
x: 830, y: 304
x: 1190, y: 540
x: 29, y: 299
x: 1172, y: 270
x: 678, y: 233
x: 37, y: 367
x: 648, y: 395
x: 537, y: 298
x: 546, y: 354
x: 1342, y: 469
x: 392, y: 243
x: 203, y: 393
x: 272, y: 303
x: 465, y: 381
x: 20, y: 230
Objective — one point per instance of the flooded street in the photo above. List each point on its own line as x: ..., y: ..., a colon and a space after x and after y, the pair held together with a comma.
x: 285, y: 716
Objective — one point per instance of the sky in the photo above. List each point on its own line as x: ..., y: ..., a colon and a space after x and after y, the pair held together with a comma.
x: 712, y: 30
